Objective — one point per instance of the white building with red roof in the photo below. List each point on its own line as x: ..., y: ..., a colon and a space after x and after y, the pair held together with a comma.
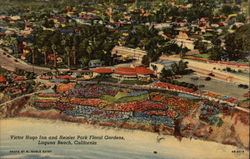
x: 132, y: 73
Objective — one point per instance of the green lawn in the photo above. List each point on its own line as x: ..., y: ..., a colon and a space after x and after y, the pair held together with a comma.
x: 132, y: 82
x: 106, y: 79
x: 122, y: 98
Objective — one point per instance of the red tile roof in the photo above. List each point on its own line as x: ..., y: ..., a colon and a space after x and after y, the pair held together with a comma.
x: 247, y: 95
x: 133, y: 71
x: 103, y: 70
x: 20, y: 78
x: 125, y: 71
x: 66, y: 77
x: 143, y: 71
x: 3, y: 79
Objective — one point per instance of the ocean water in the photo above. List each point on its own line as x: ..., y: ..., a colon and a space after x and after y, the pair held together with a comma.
x: 134, y: 145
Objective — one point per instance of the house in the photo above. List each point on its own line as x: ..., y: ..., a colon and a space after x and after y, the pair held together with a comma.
x: 183, y: 40
x: 103, y: 71
x: 95, y: 63
x: 3, y: 79
x: 132, y: 73
x: 158, y: 66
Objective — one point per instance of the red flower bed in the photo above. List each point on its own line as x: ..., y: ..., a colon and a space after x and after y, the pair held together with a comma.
x: 86, y: 102
x: 232, y: 100
x: 247, y: 95
x: 66, y: 77
x: 141, y: 106
x: 171, y: 86
x: 64, y: 106
x: 181, y: 104
x: 214, y: 95
x: 45, y: 101
x: 3, y: 79
x: 46, y: 77
x: 172, y: 114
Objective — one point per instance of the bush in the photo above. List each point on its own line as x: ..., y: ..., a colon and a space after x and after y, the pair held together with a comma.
x: 208, y: 78
x: 228, y: 69
x: 211, y: 74
x: 245, y: 86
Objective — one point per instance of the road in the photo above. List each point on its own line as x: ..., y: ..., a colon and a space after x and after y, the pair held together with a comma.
x: 206, y: 68
x: 11, y: 63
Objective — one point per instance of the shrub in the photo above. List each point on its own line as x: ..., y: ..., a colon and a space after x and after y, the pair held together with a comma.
x: 228, y: 69
x: 208, y: 78
x: 211, y: 74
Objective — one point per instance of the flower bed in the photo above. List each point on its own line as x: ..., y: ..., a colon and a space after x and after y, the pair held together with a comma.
x: 44, y: 105
x: 92, y: 92
x: 45, y: 101
x: 211, y: 94
x: 137, y: 93
x: 171, y: 86
x: 141, y: 106
x: 170, y: 113
x: 64, y: 106
x: 87, y: 102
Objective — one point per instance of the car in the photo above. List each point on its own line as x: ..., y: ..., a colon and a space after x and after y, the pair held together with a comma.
x: 4, y: 53
x: 16, y: 60
x: 8, y: 56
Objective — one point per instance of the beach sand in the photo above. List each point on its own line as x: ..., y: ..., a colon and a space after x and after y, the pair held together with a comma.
x: 136, y: 144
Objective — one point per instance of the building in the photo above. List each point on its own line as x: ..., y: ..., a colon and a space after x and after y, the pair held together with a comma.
x: 103, y: 71
x: 95, y: 63
x: 132, y: 73
x: 183, y: 40
x: 3, y: 79
x: 127, y: 73
x: 158, y: 66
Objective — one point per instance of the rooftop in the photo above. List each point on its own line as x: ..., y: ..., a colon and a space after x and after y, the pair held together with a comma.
x: 3, y: 79
x: 164, y: 62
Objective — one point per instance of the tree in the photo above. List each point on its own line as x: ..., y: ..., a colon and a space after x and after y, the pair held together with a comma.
x: 84, y: 61
x: 216, y: 53
x: 53, y: 47
x: 201, y: 46
x: 179, y: 68
x: 182, y: 66
x: 68, y: 53
x: 166, y: 73
x: 237, y: 43
x: 145, y: 60
x: 45, y: 51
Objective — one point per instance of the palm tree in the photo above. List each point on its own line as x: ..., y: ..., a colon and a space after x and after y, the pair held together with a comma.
x: 45, y: 51
x: 68, y: 51
x: 32, y: 49
x: 53, y: 47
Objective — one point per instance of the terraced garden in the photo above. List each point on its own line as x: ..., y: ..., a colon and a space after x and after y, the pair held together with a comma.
x: 126, y: 107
